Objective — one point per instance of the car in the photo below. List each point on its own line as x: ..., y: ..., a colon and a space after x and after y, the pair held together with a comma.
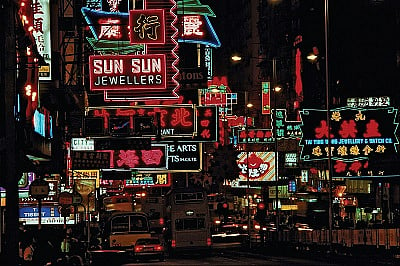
x: 230, y: 233
x: 149, y: 248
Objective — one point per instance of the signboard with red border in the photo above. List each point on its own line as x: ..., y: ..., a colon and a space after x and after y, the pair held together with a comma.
x: 147, y: 26
x: 127, y: 72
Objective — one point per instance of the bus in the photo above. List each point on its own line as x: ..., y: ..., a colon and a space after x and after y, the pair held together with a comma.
x: 122, y: 229
x: 154, y: 207
x: 122, y: 203
x: 188, y: 219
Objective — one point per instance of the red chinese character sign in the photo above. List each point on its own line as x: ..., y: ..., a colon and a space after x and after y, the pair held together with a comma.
x: 140, y: 159
x: 356, y: 135
x: 207, y: 123
x: 256, y: 166
x: 174, y: 120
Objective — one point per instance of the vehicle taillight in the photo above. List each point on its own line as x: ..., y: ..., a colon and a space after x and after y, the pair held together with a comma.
x: 138, y: 249
x: 159, y: 248
x: 209, y: 242
x: 257, y: 227
x: 173, y: 243
x: 161, y: 221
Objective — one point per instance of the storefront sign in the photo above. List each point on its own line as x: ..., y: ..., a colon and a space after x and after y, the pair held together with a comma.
x: 257, y: 166
x: 82, y: 144
x: 49, y: 215
x: 149, y: 179
x: 127, y: 72
x: 355, y: 134
x: 177, y: 120
x: 184, y: 157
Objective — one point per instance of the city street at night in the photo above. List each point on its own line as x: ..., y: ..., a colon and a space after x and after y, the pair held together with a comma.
x: 199, y: 132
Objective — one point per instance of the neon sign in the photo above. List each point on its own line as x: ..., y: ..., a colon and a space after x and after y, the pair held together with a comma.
x: 255, y: 136
x: 285, y: 129
x: 174, y: 120
x: 41, y: 22
x: 149, y: 179
x: 355, y: 133
x: 127, y: 72
x: 195, y: 24
x: 266, y: 98
x: 155, y: 159
x: 255, y: 167
x: 147, y: 26
x: 184, y: 157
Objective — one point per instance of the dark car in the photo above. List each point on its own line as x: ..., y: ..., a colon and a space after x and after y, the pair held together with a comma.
x: 230, y: 233
x: 149, y: 248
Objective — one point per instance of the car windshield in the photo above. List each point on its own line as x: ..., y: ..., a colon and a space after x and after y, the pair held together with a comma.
x: 147, y: 241
x: 230, y: 230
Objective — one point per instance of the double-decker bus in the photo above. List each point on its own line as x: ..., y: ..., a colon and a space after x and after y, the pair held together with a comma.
x: 122, y: 229
x: 188, y: 219
x: 154, y: 207
x: 122, y: 203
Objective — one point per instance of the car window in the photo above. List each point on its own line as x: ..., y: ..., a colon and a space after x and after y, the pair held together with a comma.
x: 147, y: 241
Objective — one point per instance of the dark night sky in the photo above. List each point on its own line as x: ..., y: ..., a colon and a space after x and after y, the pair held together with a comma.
x: 363, y: 41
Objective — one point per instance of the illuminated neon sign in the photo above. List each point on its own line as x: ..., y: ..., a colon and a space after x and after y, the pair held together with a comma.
x: 255, y: 136
x: 41, y: 33
x: 355, y: 134
x: 285, y: 129
x: 147, y: 26
x: 195, y: 24
x: 255, y: 167
x: 184, y: 157
x: 174, y: 120
x: 149, y: 179
x: 127, y: 72
x: 266, y: 98
x: 154, y: 159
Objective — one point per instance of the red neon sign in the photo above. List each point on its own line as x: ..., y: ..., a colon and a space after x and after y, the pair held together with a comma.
x: 139, y: 159
x: 127, y: 72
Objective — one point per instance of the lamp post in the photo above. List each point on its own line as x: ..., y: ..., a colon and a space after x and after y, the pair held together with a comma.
x: 276, y: 89
x: 327, y: 94
x: 248, y: 105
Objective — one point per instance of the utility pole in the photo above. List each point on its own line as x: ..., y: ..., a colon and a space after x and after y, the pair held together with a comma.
x: 9, y: 152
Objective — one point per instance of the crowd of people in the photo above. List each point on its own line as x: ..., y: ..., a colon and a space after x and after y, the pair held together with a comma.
x: 50, y: 246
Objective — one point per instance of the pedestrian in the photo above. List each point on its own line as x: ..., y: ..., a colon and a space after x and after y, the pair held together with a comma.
x: 28, y: 253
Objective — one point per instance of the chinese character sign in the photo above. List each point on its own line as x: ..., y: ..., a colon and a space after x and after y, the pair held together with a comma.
x: 140, y: 159
x: 266, y: 98
x: 354, y: 134
x: 149, y: 179
x: 147, y: 26
x: 173, y: 120
x: 207, y: 121
x: 41, y: 33
x: 285, y: 129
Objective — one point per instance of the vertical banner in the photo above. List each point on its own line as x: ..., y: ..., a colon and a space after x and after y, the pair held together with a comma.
x: 41, y: 33
x: 266, y: 98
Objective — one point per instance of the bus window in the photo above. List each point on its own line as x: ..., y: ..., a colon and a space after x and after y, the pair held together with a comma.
x: 120, y: 224
x: 190, y: 224
x: 138, y: 224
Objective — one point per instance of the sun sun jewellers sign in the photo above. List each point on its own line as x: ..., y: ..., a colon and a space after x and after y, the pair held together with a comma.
x: 127, y: 72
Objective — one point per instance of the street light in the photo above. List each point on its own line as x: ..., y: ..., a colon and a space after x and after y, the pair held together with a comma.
x: 276, y: 90
x: 248, y: 106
